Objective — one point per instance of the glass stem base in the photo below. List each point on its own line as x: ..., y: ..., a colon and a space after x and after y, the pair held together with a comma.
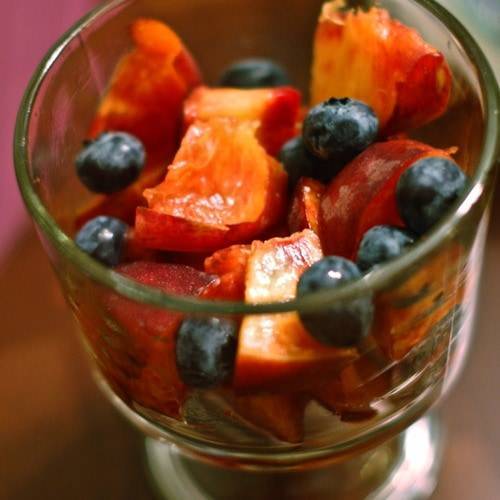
x: 405, y: 467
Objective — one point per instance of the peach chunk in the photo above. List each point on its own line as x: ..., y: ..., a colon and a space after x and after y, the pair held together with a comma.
x: 371, y: 57
x: 148, y: 89
x: 148, y: 334
x: 145, y: 98
x: 275, y: 110
x: 363, y: 194
x: 221, y: 189
x: 230, y: 265
x: 275, y: 348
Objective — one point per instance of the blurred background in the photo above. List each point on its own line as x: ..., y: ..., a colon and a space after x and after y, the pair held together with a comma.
x: 59, y: 437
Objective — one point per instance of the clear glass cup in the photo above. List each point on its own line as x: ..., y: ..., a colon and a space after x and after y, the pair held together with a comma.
x: 425, y: 300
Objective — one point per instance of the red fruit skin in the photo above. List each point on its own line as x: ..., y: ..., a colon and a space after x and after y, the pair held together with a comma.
x: 363, y: 194
x: 148, y: 333
x: 278, y: 124
x: 423, y: 96
x: 275, y: 110
x: 158, y: 230
x: 305, y: 207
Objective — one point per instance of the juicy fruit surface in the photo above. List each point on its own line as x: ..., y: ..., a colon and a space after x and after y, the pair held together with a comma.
x: 205, y: 201
x: 205, y: 351
x: 103, y: 239
x: 304, y: 210
x: 254, y: 73
x: 230, y: 265
x: 274, y: 110
x: 339, y: 325
x: 363, y: 194
x: 382, y: 243
x: 376, y: 59
x: 150, y: 333
x: 276, y: 348
x: 148, y: 88
x: 339, y: 129
x: 110, y: 163
x: 427, y: 190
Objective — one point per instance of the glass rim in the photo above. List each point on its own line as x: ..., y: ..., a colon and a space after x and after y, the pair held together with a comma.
x: 374, y: 280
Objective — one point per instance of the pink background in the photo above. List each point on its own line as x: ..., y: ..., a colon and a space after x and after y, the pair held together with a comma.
x: 29, y: 28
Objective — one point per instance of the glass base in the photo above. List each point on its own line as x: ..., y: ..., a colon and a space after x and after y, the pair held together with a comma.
x: 405, y: 467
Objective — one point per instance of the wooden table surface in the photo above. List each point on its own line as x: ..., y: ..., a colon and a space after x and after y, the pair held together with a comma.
x: 60, y: 439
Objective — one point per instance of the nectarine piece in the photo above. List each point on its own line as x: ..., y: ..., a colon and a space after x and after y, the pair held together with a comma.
x: 363, y: 194
x: 371, y: 57
x: 222, y: 188
x: 230, y: 265
x: 148, y: 333
x: 145, y: 98
x: 275, y: 348
x: 148, y: 88
x: 275, y: 110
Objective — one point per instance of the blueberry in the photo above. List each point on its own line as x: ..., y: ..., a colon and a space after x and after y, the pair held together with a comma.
x: 103, y: 238
x: 254, y: 73
x: 205, y: 351
x: 382, y: 243
x: 110, y: 163
x: 339, y: 129
x: 427, y: 190
x: 343, y: 324
x: 298, y: 162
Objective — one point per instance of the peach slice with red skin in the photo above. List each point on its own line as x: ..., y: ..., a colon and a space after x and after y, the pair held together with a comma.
x: 149, y: 333
x: 276, y: 110
x: 371, y: 57
x: 148, y: 88
x: 304, y: 210
x: 145, y: 98
x: 221, y: 189
x: 275, y: 349
x: 363, y: 194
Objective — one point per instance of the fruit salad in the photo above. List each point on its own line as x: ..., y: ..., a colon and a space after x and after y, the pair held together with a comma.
x: 244, y: 191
